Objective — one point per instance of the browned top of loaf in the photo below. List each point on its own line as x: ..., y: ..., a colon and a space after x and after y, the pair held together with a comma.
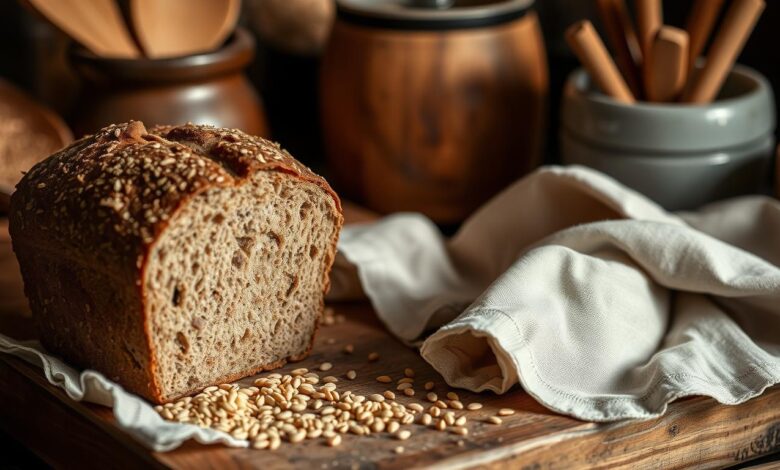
x: 110, y: 194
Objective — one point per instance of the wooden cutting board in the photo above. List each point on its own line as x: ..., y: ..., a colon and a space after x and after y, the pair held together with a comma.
x: 696, y: 431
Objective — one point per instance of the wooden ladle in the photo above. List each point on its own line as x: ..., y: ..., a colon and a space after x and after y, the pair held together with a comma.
x: 97, y: 25
x: 170, y: 28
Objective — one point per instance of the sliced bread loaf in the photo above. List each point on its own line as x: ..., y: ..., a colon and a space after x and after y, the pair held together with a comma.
x: 175, y: 258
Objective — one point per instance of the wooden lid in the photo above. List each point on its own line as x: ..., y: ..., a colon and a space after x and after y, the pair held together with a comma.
x: 431, y: 14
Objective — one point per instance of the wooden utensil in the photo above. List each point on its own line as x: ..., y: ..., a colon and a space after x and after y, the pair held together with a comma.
x: 649, y: 19
x: 97, y: 25
x: 701, y: 21
x: 740, y: 20
x: 171, y: 28
x: 588, y: 47
x: 666, y: 66
x: 623, y: 39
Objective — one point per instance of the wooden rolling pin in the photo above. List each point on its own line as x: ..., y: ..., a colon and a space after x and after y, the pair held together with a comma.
x: 728, y: 43
x: 667, y: 65
x: 590, y: 50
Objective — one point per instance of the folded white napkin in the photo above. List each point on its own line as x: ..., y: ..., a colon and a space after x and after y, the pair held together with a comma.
x: 598, y: 302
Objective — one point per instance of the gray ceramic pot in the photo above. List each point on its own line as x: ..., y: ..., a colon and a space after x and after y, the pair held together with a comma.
x: 681, y: 156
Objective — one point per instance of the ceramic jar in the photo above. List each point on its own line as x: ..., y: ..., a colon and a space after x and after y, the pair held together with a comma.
x: 206, y: 88
x: 681, y: 156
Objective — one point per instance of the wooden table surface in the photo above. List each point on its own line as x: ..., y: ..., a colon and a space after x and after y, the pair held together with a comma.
x: 695, y: 432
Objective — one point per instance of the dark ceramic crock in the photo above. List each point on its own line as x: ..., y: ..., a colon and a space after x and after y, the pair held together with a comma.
x: 207, y: 88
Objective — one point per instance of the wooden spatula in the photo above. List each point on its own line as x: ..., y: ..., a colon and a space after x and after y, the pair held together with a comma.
x: 96, y: 25
x: 170, y: 28
x: 666, y: 67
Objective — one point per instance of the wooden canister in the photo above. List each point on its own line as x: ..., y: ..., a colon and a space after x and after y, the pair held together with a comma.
x: 433, y: 109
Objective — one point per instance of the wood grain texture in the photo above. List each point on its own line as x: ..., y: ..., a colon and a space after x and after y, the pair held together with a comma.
x: 434, y: 121
x: 696, y: 431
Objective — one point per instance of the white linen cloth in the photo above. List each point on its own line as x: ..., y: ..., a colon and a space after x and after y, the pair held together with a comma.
x: 133, y: 414
x: 598, y: 302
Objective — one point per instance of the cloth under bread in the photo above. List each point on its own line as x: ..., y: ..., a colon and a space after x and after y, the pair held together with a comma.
x: 598, y: 302
x: 133, y: 414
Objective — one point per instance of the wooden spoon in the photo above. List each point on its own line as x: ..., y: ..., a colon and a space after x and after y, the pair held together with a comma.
x: 170, y: 28
x: 97, y: 25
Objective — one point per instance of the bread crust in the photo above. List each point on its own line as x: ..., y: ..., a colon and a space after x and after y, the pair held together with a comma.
x: 100, y: 205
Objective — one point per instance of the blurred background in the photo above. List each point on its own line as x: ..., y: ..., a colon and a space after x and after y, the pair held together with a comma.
x: 401, y: 104
x: 290, y: 35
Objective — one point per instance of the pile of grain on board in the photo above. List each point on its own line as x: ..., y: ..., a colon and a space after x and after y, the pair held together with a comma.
x: 302, y: 405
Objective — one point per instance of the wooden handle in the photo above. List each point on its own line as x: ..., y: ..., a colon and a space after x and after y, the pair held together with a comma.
x: 728, y: 43
x: 589, y: 48
x: 701, y: 21
x: 649, y: 19
x: 667, y: 65
x: 623, y: 39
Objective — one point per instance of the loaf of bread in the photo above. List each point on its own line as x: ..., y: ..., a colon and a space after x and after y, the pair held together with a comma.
x: 175, y: 258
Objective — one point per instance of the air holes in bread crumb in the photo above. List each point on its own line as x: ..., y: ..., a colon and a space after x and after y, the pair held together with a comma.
x: 305, y: 208
x: 239, y: 259
x: 313, y: 251
x: 219, y: 218
x: 246, y: 244
x: 177, y: 299
x: 184, y: 344
x: 293, y: 284
x: 276, y: 238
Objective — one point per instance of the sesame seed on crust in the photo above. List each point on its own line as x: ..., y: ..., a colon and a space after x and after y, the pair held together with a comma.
x: 112, y: 193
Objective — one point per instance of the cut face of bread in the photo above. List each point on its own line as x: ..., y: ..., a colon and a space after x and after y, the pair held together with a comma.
x: 235, y: 283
